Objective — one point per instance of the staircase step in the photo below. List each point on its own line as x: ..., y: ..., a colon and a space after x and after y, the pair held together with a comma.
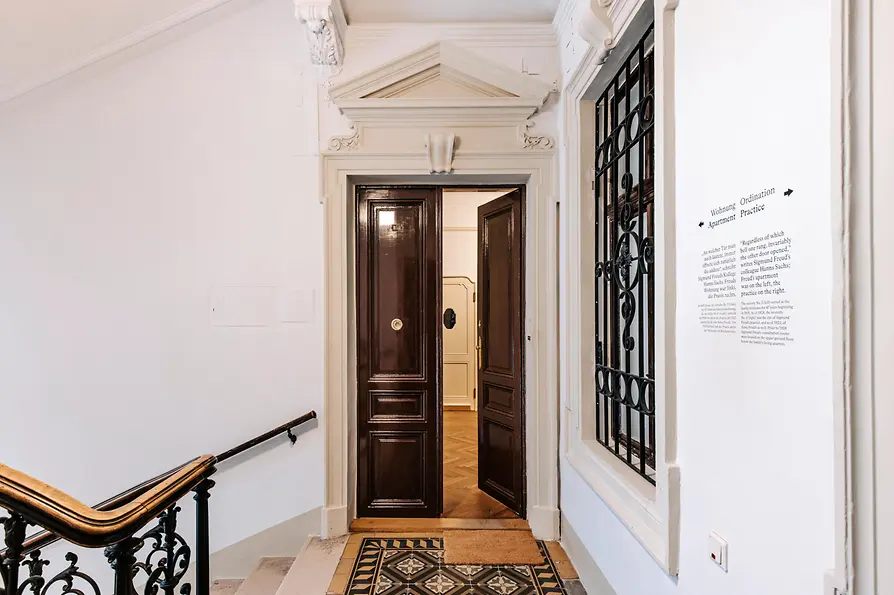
x: 314, y: 567
x: 227, y: 586
x: 266, y: 578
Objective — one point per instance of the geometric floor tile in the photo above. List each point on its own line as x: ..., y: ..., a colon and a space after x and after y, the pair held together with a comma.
x: 415, y: 566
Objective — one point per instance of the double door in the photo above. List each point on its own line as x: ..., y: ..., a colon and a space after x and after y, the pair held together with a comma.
x: 399, y: 355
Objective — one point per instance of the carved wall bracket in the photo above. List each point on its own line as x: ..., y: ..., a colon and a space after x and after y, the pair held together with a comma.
x: 594, y: 25
x: 531, y: 141
x: 324, y: 24
x: 347, y: 142
x: 440, y: 148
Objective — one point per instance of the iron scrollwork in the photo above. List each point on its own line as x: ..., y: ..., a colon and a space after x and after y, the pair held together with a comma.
x: 168, y: 557
x: 625, y: 255
x: 71, y: 579
x: 165, y: 564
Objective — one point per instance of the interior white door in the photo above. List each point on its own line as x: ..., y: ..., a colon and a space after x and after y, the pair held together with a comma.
x: 460, y: 366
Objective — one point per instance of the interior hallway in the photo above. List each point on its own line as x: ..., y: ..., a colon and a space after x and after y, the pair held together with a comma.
x: 462, y: 498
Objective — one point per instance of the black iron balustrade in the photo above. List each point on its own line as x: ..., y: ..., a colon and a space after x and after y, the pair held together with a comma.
x: 625, y: 257
x: 159, y: 555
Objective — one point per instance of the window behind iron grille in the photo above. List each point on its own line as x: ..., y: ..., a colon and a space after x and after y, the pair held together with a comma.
x: 624, y: 275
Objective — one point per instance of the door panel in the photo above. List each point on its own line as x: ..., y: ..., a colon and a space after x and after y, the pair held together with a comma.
x: 501, y: 469
x: 459, y: 343
x: 398, y: 352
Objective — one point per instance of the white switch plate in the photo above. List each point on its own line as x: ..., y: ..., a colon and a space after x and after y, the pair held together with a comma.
x: 717, y: 549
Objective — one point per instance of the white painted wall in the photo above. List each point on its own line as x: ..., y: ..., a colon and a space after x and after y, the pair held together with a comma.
x: 136, y: 195
x: 126, y: 198
x: 755, y: 424
x: 460, y: 235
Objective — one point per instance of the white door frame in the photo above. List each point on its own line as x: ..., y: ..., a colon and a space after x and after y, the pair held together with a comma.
x: 862, y: 217
x: 536, y: 170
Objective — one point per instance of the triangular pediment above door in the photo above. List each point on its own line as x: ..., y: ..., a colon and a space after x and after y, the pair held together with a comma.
x: 440, y: 80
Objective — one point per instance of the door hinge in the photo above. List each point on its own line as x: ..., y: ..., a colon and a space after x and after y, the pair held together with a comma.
x: 474, y: 296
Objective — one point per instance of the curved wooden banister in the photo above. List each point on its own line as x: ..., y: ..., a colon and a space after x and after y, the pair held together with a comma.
x: 45, y: 538
x: 136, y: 493
x: 68, y: 518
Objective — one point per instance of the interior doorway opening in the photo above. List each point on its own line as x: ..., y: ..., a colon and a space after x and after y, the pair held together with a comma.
x: 440, y: 368
x: 461, y: 347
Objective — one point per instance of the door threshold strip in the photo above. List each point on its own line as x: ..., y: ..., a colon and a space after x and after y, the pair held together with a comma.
x: 390, y: 525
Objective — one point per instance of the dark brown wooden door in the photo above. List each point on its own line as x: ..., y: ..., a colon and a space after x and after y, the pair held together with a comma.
x: 398, y: 352
x: 501, y: 423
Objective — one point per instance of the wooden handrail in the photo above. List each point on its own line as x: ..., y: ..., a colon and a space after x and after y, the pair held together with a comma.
x: 286, y: 428
x: 78, y: 523
x: 44, y: 538
x: 48, y: 537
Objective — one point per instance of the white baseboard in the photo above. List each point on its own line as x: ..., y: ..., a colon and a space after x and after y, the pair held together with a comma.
x: 283, y: 540
x: 833, y: 585
x: 333, y: 522
x: 591, y: 577
x: 544, y: 522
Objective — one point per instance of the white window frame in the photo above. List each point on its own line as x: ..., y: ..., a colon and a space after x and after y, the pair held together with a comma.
x: 651, y: 513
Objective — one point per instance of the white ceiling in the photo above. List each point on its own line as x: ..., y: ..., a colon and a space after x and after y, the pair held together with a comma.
x: 449, y: 11
x: 42, y: 39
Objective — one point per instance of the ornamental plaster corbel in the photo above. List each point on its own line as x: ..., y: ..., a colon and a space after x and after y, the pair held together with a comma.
x: 594, y: 26
x: 530, y: 141
x: 347, y: 142
x: 324, y: 25
x: 440, y: 147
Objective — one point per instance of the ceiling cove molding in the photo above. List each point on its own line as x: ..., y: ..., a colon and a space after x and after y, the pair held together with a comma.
x: 475, y: 34
x: 564, y: 18
x: 121, y: 44
x: 324, y: 27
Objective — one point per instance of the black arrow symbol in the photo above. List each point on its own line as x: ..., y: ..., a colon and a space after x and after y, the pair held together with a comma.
x: 701, y: 223
x: 788, y: 192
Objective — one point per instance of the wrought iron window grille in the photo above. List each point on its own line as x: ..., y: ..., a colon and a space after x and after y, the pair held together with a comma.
x: 625, y: 257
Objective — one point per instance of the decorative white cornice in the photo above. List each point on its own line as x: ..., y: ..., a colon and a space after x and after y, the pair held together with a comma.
x: 395, y: 91
x: 473, y: 34
x: 324, y: 23
x: 594, y: 25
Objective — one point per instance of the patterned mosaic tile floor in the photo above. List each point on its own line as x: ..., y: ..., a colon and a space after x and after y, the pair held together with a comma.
x: 414, y: 566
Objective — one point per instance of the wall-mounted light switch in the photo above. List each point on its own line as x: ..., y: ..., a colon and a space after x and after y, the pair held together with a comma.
x: 717, y: 549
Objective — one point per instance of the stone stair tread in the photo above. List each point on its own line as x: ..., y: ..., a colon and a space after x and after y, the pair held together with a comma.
x: 314, y: 567
x: 227, y: 586
x: 266, y: 578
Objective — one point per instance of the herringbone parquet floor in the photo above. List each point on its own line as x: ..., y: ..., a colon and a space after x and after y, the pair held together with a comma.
x: 462, y: 498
